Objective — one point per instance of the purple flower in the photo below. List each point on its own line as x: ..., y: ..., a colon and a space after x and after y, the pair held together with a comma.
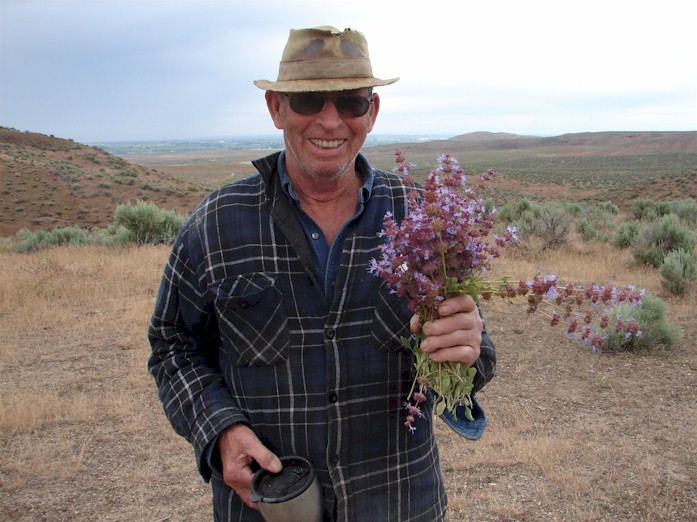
x: 442, y: 247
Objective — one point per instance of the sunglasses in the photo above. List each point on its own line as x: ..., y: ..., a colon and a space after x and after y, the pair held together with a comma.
x: 348, y: 105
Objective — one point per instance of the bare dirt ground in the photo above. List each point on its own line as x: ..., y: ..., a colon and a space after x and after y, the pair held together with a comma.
x: 573, y: 435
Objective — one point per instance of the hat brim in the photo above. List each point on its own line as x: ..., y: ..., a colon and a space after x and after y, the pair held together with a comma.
x: 324, y: 84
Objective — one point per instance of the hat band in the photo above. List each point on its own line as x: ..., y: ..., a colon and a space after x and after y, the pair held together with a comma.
x: 325, y: 69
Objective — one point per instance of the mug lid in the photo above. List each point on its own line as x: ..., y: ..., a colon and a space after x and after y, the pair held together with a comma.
x: 295, y: 477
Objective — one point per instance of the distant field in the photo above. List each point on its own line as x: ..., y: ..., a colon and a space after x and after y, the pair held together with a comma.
x: 48, y: 182
x: 538, y: 174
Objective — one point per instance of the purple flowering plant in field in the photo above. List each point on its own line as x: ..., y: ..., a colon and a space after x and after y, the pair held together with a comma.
x: 442, y: 248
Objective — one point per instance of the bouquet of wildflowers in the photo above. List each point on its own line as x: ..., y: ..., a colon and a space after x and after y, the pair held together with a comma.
x: 443, y: 248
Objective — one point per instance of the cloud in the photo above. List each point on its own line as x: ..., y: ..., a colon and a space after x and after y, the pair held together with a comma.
x: 121, y: 69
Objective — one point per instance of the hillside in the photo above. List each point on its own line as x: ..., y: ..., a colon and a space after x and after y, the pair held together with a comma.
x: 589, y: 143
x: 49, y: 182
x: 593, y: 166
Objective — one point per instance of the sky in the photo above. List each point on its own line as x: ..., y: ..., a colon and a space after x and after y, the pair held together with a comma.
x: 126, y: 70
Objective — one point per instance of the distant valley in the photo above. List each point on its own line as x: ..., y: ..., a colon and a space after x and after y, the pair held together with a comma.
x: 49, y: 181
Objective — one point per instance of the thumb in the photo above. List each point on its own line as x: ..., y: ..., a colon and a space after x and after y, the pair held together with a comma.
x: 266, y: 459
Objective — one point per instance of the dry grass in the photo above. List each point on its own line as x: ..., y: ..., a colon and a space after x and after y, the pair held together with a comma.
x: 573, y: 435
x: 82, y: 434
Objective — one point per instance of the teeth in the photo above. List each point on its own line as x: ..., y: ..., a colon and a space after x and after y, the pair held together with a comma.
x: 328, y: 144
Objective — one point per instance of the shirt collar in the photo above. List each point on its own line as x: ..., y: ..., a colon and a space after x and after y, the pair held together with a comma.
x: 362, y: 166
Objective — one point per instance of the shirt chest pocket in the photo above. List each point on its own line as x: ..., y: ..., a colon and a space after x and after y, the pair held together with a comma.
x: 390, y: 320
x: 252, y: 320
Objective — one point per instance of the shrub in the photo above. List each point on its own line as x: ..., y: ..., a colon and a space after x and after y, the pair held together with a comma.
x: 586, y: 230
x: 661, y: 237
x: 513, y: 212
x: 609, y: 208
x: 146, y: 223
x: 29, y: 241
x: 663, y: 208
x: 686, y: 210
x: 656, y: 332
x: 574, y: 209
x: 626, y: 235
x: 678, y: 271
x: 129, y: 172
x: 553, y: 226
x: 642, y: 208
x: 71, y: 236
x: 527, y: 222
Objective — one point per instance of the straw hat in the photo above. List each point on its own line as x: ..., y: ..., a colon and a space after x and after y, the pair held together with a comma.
x: 324, y: 59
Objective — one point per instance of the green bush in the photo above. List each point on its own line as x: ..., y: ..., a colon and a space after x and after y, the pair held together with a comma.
x: 527, y: 222
x: 626, y: 235
x: 28, y: 241
x: 609, y: 208
x: 129, y: 172
x: 146, y: 223
x: 513, y: 212
x: 661, y: 237
x: 575, y: 209
x: 553, y: 225
x: 663, y: 208
x: 678, y: 271
x: 650, y: 210
x: 656, y: 331
x: 586, y: 230
x: 641, y: 208
x: 686, y: 210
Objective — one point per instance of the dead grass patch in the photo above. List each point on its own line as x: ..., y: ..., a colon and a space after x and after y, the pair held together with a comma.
x: 572, y: 435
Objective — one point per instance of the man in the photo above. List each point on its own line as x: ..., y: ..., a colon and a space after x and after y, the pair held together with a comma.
x: 270, y: 338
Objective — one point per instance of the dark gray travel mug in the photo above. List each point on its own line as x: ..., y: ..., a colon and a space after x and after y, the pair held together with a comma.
x: 293, y: 495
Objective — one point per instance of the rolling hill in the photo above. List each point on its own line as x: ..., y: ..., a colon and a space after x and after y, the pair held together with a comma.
x: 592, y: 167
x: 49, y: 182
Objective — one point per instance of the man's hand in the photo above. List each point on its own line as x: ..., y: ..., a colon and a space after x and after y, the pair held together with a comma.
x: 456, y: 336
x: 239, y: 446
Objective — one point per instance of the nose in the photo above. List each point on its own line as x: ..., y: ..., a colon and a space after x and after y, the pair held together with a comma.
x: 329, y: 116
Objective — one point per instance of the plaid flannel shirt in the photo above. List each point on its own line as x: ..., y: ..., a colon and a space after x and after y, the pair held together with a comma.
x: 241, y: 333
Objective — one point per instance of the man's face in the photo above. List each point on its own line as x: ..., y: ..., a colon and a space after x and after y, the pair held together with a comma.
x: 324, y: 145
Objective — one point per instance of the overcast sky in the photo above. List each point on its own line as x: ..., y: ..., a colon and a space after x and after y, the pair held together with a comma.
x: 112, y: 70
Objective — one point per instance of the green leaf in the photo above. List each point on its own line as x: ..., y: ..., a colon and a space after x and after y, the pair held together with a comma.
x: 468, y: 413
x: 440, y: 407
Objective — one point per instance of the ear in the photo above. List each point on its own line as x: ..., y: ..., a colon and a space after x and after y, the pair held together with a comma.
x: 273, y: 102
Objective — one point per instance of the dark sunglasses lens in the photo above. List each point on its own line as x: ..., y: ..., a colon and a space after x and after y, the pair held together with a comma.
x: 307, y: 103
x: 352, y: 106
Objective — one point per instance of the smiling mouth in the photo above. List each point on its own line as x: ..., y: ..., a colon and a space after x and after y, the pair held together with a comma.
x: 327, y: 144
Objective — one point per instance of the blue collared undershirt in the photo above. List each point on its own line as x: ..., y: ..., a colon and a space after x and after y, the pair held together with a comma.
x: 327, y: 260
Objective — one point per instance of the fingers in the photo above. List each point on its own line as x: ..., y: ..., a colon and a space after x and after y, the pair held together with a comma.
x: 415, y: 324
x: 457, y: 335
x: 466, y: 354
x: 239, y: 447
x: 457, y: 346
x: 460, y: 303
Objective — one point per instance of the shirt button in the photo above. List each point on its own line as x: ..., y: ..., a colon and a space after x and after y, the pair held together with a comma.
x: 330, y: 333
x: 334, y: 459
x: 315, y: 235
x: 333, y: 397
